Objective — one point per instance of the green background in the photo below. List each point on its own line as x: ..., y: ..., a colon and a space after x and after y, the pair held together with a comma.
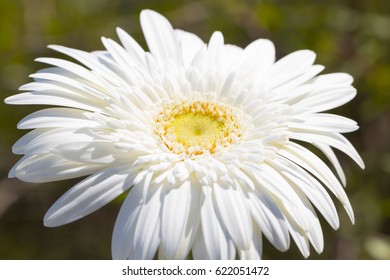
x: 348, y: 36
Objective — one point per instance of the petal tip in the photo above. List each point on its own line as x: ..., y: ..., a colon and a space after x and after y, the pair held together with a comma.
x: 8, y: 100
x: 147, y: 15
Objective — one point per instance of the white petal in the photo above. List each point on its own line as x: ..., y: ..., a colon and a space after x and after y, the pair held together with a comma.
x: 192, y: 224
x: 199, y: 250
x: 207, y: 60
x: 217, y: 244
x: 260, y: 54
x: 89, y: 195
x: 309, y: 161
x: 214, y: 47
x: 134, y: 50
x: 239, y: 175
x: 326, y: 98
x: 333, y: 139
x: 57, y: 117
x: 57, y: 79
x: 269, y: 218
x: 234, y: 214
x: 47, y: 98
x: 231, y: 54
x: 64, y: 89
x: 271, y: 182
x: 19, y: 146
x: 42, y: 140
x: 174, y: 215
x: 195, y: 78
x: 300, y: 238
x: 333, y: 159
x: 228, y: 58
x: 323, y: 122
x: 125, y: 224
x: 190, y: 45
x: 313, y: 228
x: 160, y: 37
x: 146, y: 235
x: 98, y: 152
x: 121, y: 59
x: 313, y: 190
x: 91, y: 61
x: 80, y: 145
x: 283, y: 88
x: 228, y: 87
x: 256, y: 60
x: 289, y: 67
x: 334, y: 78
x: 80, y: 79
x: 71, y: 67
x: 255, y: 249
x: 50, y: 167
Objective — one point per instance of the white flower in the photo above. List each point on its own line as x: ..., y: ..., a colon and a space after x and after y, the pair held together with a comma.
x: 204, y: 137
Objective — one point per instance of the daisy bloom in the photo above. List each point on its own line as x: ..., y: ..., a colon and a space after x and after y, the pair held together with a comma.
x: 208, y: 139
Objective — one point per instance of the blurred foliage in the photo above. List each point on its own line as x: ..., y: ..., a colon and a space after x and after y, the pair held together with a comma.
x: 348, y: 36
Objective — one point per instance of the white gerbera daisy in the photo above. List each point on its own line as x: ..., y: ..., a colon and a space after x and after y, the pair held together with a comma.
x: 202, y: 135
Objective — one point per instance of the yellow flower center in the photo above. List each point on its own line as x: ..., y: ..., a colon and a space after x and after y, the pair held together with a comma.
x: 197, y: 127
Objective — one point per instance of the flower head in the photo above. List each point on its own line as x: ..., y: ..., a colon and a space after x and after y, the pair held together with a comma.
x: 202, y: 136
